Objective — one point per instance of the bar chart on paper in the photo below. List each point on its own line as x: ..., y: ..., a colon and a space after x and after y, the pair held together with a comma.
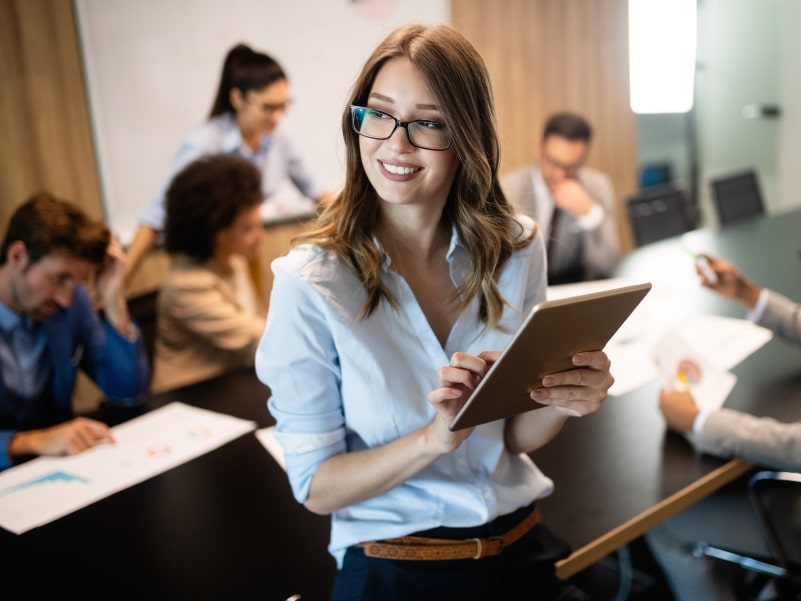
x: 47, y: 488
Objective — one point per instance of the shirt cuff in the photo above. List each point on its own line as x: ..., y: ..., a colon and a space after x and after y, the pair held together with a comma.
x: 700, y: 420
x: 304, y: 443
x: 592, y: 219
x: 755, y: 314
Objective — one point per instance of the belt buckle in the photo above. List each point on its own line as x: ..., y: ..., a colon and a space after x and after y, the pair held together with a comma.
x: 480, y: 545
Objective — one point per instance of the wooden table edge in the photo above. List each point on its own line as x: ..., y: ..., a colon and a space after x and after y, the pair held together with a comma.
x: 640, y: 524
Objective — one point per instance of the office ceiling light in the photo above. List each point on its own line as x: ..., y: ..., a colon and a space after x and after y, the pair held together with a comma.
x: 662, y: 44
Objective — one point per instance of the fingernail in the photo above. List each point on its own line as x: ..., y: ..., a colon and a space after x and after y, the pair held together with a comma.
x: 547, y: 381
x: 538, y: 394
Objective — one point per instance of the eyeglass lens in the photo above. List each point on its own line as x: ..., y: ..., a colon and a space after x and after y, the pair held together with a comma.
x: 423, y: 133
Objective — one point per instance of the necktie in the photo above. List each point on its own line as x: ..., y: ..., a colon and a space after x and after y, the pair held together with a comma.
x: 552, y: 233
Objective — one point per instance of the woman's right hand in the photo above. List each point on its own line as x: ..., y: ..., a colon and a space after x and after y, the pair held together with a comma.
x: 730, y: 282
x: 457, y: 381
x: 678, y: 408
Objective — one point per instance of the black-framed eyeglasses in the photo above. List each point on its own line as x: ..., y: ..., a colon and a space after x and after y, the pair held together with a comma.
x: 423, y: 133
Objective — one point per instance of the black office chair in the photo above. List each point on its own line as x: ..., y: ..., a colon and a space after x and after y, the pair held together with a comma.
x: 737, y: 197
x: 776, y: 499
x: 143, y: 309
x: 658, y: 212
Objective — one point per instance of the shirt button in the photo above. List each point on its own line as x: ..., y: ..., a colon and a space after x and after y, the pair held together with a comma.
x: 488, y: 494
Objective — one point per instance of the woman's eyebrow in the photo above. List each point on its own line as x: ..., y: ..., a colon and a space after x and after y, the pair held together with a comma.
x: 424, y: 106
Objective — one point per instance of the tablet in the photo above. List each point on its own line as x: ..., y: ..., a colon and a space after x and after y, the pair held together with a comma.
x: 552, y: 333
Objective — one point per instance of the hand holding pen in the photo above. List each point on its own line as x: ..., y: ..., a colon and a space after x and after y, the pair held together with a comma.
x: 725, y: 279
x: 702, y: 266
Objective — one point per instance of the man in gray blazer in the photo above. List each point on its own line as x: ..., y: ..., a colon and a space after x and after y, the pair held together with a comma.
x: 573, y: 204
x: 726, y: 433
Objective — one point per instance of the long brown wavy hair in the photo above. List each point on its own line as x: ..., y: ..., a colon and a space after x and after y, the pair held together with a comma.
x: 458, y: 78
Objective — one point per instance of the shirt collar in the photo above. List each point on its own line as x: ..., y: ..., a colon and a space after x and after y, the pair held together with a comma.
x: 456, y: 242
x: 9, y: 320
x: 232, y: 138
x: 457, y: 256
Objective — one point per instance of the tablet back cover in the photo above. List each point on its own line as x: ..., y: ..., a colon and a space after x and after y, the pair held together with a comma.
x: 553, y: 332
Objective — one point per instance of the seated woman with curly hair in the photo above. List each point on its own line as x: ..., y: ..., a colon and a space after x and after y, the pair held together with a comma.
x: 210, y: 317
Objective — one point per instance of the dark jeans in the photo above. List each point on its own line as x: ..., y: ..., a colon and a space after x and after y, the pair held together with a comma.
x: 524, y: 571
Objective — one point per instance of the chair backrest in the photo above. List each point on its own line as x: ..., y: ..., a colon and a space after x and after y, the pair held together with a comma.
x: 658, y: 212
x: 776, y: 497
x: 737, y: 197
x: 143, y: 309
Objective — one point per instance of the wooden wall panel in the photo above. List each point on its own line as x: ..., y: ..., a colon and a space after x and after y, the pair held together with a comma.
x: 551, y: 55
x: 46, y: 141
x: 544, y: 55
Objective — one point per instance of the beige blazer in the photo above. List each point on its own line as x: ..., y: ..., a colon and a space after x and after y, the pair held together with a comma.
x: 202, y: 328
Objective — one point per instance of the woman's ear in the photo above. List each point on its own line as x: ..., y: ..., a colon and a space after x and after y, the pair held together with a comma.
x: 237, y: 98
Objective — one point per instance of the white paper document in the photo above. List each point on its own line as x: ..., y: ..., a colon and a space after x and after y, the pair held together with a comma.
x: 46, y: 488
x: 724, y: 342
x: 266, y: 437
x: 683, y: 368
x: 696, y: 354
x: 632, y: 366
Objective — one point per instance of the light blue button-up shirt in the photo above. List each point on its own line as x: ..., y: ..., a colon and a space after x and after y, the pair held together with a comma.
x: 278, y: 158
x: 340, y: 384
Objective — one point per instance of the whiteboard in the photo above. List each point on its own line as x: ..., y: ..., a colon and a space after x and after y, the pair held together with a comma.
x: 152, y: 69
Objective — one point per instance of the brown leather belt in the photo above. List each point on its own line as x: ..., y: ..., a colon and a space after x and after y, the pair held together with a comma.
x: 418, y: 548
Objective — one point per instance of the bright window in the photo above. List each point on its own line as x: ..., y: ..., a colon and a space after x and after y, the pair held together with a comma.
x: 662, y: 44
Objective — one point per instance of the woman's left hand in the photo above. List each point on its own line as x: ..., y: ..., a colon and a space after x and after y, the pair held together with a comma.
x: 580, y: 390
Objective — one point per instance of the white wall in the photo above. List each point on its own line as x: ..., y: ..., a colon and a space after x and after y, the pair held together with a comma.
x: 789, y: 168
x: 153, y: 67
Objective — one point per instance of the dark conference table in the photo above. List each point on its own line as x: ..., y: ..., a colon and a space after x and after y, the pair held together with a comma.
x: 225, y: 526
x: 618, y: 472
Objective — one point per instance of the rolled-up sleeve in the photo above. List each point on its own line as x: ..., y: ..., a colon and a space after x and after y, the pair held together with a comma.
x: 298, y: 360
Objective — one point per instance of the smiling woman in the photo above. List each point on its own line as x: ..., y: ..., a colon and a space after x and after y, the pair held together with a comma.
x: 382, y: 320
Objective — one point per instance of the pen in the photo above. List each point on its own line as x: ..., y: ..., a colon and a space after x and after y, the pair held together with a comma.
x: 703, y: 264
x: 706, y: 269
